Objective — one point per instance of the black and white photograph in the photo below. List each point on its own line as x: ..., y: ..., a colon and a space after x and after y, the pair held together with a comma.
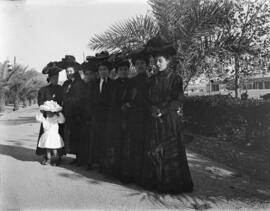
x: 134, y: 105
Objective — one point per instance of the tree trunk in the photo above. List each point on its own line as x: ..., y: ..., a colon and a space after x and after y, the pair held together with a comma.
x: 24, y: 103
x: 16, y: 101
x: 236, y: 79
x: 29, y: 101
x: 2, y: 100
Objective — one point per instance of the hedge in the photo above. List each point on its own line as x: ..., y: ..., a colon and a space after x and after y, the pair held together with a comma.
x: 231, y: 120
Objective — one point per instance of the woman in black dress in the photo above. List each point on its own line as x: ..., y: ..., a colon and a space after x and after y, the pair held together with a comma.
x: 118, y: 155
x: 139, y: 121
x: 166, y: 96
x: 74, y: 92
x: 54, y: 92
x: 90, y: 76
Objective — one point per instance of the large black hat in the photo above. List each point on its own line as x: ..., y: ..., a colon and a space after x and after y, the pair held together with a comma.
x: 90, y: 64
x: 51, y: 69
x: 139, y: 54
x: 69, y: 61
x: 102, y: 58
x: 159, y: 45
x: 119, y: 60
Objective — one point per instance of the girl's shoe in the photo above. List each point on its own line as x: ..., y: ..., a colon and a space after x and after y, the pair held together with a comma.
x: 55, y: 161
x: 46, y: 162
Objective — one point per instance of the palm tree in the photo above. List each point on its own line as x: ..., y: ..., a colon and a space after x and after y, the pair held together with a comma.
x: 126, y: 35
x: 18, y: 83
x: 193, y: 26
x: 33, y: 82
x: 6, y: 74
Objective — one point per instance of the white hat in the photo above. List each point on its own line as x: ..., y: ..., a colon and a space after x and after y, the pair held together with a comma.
x: 51, y: 106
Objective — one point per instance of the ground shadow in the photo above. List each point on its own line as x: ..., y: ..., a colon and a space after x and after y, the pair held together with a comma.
x: 18, y: 121
x: 18, y: 152
x: 208, y: 190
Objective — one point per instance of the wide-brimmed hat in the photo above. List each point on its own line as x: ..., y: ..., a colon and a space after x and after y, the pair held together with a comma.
x: 51, y: 69
x: 102, y: 58
x: 159, y: 45
x: 90, y: 64
x: 69, y: 61
x: 120, y: 59
x: 139, y: 54
x: 51, y: 106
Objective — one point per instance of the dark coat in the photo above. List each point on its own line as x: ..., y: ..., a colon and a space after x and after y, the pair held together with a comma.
x: 118, y: 143
x: 46, y: 93
x: 74, y: 92
x: 85, y: 134
x: 101, y: 106
x: 139, y: 131
x: 167, y: 150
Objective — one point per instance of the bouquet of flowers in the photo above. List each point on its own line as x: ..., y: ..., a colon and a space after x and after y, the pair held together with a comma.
x: 51, y: 106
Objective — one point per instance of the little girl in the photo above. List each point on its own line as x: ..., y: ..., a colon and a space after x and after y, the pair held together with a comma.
x: 51, y: 140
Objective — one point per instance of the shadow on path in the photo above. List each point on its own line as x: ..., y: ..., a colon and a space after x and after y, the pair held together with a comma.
x: 18, y: 121
x: 210, y: 188
x: 209, y: 191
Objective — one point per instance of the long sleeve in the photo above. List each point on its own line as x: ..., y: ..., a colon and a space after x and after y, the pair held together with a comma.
x: 61, y: 118
x: 175, y: 97
x: 41, y: 96
x: 40, y: 117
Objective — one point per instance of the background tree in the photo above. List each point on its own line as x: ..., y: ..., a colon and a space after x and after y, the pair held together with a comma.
x: 126, y: 35
x: 245, y: 37
x: 6, y: 72
x: 18, y: 84
x: 193, y: 26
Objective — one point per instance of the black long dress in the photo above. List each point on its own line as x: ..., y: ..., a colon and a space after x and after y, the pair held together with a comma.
x: 167, y: 150
x: 72, y: 109
x: 101, y: 106
x: 117, y: 148
x: 50, y: 92
x: 85, y: 134
x: 139, y: 131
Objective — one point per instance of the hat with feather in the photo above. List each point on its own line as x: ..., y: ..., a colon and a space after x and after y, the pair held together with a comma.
x: 160, y: 46
x: 90, y: 64
x: 139, y: 54
x: 51, y: 69
x: 69, y: 61
x: 119, y: 60
x: 102, y: 59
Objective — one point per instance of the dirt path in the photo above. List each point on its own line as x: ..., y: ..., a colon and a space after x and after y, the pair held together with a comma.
x: 25, y: 184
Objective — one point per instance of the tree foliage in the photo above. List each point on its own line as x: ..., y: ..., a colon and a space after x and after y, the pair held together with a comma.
x: 125, y: 35
x: 192, y: 26
x: 19, y: 84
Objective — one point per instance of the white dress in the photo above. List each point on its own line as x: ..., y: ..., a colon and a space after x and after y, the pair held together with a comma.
x: 51, y: 138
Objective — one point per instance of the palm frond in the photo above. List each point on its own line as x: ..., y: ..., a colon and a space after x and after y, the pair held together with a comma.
x: 127, y: 34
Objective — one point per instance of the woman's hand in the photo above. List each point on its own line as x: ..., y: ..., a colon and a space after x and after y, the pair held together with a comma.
x: 156, y: 112
x: 126, y: 106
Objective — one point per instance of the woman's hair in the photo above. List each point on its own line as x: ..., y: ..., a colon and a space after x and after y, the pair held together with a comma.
x: 50, y: 112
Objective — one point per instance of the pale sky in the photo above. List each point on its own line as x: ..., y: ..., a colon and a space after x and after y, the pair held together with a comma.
x: 40, y: 31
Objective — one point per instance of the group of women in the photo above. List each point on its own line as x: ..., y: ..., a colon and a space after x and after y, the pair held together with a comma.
x: 128, y: 128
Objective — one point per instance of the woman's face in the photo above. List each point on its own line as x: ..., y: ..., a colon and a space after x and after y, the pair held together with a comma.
x: 140, y: 66
x: 53, y: 79
x: 49, y: 114
x: 162, y: 63
x: 89, y: 76
x: 103, y: 71
x: 70, y: 72
x: 123, y: 71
